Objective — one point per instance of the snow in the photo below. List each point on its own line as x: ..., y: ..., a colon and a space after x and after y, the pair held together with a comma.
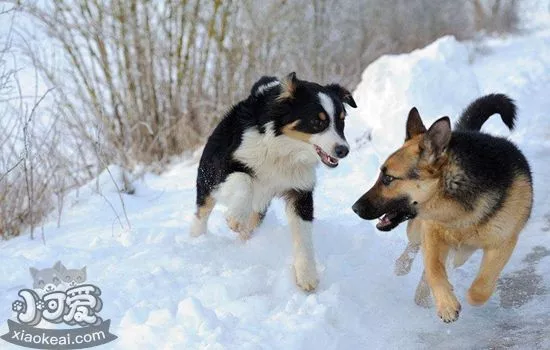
x: 434, y: 79
x: 164, y: 289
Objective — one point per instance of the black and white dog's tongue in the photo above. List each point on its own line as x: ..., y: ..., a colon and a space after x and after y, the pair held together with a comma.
x: 328, y: 160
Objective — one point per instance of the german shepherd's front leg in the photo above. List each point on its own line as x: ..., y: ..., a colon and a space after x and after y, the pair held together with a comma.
x: 435, y: 252
x: 299, y: 210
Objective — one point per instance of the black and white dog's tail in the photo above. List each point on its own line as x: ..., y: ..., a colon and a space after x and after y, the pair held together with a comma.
x: 477, y: 113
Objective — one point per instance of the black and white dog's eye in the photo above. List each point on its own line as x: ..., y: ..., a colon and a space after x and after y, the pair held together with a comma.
x: 387, y: 179
x: 318, y: 124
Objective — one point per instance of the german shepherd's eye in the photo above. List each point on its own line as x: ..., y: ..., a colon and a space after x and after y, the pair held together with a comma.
x: 387, y: 179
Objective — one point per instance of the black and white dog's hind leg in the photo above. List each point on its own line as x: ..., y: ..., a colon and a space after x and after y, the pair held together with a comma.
x: 299, y: 210
x: 205, y: 204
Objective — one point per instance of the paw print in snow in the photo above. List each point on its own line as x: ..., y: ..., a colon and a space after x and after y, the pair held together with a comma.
x: 17, y: 306
x: 40, y: 305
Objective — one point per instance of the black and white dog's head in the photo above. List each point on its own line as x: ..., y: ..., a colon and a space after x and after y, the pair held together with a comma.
x: 310, y: 113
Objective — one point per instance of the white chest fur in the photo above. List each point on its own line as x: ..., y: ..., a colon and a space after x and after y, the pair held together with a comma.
x: 279, y: 163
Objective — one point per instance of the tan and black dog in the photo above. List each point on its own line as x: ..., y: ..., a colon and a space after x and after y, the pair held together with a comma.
x: 462, y: 190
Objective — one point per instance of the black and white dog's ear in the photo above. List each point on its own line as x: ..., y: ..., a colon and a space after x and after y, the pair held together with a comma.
x: 291, y: 77
x: 263, y: 85
x: 289, y: 84
x: 344, y: 94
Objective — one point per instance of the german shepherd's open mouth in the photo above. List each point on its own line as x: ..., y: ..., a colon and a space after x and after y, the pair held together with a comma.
x: 389, y: 214
x: 389, y: 221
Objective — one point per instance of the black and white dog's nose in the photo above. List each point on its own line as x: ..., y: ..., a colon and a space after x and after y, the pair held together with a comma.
x: 341, y: 151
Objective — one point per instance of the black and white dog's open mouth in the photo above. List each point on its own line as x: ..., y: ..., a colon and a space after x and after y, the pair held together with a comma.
x: 329, y: 161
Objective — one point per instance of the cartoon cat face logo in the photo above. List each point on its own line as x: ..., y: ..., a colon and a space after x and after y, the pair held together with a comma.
x: 72, y: 277
x: 57, y: 277
x: 46, y: 279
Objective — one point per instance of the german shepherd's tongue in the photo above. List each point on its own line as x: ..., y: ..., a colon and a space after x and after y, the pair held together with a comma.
x: 385, y: 221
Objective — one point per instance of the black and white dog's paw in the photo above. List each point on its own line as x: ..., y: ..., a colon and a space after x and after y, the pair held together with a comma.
x: 242, y: 227
x: 306, y: 275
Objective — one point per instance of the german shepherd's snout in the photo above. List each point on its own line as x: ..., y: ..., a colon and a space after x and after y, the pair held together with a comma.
x: 378, y: 203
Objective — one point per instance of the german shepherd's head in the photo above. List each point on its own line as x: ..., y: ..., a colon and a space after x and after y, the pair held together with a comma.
x: 409, y: 177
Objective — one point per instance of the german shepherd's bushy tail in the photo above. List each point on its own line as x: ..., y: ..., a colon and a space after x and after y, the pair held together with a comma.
x: 477, y: 113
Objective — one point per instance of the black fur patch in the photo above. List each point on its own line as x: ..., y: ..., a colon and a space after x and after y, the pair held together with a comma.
x: 302, y: 201
x: 216, y: 162
x: 413, y: 174
x: 488, y: 166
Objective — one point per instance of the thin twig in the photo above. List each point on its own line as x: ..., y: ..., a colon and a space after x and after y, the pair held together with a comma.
x: 99, y: 156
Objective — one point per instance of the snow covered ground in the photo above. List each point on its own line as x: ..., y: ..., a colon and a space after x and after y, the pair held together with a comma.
x: 163, y: 289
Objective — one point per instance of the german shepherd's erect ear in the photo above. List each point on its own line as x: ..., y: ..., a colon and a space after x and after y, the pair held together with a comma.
x: 415, y: 126
x: 437, y: 139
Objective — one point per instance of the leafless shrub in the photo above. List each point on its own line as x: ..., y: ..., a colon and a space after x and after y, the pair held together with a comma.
x: 27, y: 169
x: 33, y: 163
x: 500, y: 16
x: 156, y: 76
x: 136, y: 70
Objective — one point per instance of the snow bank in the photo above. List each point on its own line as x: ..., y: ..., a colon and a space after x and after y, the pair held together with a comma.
x: 436, y: 79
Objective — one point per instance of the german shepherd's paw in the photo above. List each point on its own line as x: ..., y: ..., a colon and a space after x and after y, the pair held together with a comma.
x: 449, y: 309
x: 306, y: 275
x: 478, y: 294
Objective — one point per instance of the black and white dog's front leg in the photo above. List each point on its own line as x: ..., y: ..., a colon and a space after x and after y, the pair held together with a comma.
x: 299, y: 210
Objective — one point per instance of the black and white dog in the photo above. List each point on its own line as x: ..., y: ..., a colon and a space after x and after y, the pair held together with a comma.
x: 268, y: 145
